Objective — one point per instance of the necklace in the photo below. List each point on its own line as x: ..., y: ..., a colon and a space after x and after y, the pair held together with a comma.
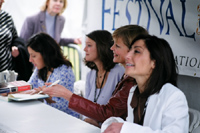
x: 100, y: 76
x: 95, y: 93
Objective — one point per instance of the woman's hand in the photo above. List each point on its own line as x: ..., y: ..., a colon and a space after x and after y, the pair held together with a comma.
x: 114, y: 128
x: 77, y: 41
x: 33, y: 91
x: 91, y: 121
x: 37, y: 90
x: 57, y: 91
x: 15, y: 51
x: 4, y: 94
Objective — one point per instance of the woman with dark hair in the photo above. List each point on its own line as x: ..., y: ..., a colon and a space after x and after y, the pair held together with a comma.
x: 50, y: 65
x: 155, y: 104
x: 104, y: 74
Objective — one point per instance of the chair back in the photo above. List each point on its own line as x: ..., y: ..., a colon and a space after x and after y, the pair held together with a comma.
x: 73, y: 53
x: 194, y: 125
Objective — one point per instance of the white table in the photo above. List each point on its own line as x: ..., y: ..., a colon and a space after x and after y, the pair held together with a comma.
x: 37, y: 117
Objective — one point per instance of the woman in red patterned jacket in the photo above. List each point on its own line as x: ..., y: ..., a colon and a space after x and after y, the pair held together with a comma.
x: 117, y: 105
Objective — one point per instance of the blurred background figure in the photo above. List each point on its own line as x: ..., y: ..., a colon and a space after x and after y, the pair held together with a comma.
x: 50, y: 65
x: 50, y: 21
x: 13, y: 53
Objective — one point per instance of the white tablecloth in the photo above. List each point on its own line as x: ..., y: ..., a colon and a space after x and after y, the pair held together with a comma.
x: 37, y: 117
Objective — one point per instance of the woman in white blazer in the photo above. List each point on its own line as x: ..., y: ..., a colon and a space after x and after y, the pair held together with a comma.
x: 155, y: 104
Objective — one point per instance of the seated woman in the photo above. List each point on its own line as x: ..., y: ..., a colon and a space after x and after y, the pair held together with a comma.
x: 155, y: 104
x: 50, y: 65
x: 104, y: 74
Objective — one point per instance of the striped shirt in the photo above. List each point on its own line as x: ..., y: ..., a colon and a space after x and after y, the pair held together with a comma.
x: 7, y: 33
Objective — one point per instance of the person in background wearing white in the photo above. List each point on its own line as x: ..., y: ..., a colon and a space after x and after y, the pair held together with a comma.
x: 50, y: 21
x: 155, y: 104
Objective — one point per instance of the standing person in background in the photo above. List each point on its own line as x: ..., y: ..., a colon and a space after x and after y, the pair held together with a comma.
x: 155, y: 104
x: 104, y: 74
x: 13, y: 53
x: 117, y: 105
x: 50, y: 65
x: 50, y: 21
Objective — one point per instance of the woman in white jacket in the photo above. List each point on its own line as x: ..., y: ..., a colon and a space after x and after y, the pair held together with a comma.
x: 155, y: 105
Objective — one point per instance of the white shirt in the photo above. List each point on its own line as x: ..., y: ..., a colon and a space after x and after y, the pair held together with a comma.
x: 166, y: 111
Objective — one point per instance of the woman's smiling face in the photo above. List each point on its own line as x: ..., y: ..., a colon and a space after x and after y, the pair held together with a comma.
x: 120, y: 51
x: 138, y: 61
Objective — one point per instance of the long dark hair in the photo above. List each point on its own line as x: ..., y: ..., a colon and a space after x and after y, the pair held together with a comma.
x: 50, y: 51
x: 103, y: 41
x: 165, y: 70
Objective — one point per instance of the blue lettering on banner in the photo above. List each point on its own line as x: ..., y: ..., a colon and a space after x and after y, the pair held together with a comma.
x: 171, y: 16
x: 149, y: 15
x: 127, y: 12
x: 187, y: 61
x: 104, y: 11
x: 161, y: 22
x: 183, y: 18
x: 115, y: 13
x: 168, y: 11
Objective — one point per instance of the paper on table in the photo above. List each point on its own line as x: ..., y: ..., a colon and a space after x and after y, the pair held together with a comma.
x: 23, y: 97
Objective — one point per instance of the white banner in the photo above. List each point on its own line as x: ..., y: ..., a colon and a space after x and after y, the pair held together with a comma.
x: 177, y: 21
